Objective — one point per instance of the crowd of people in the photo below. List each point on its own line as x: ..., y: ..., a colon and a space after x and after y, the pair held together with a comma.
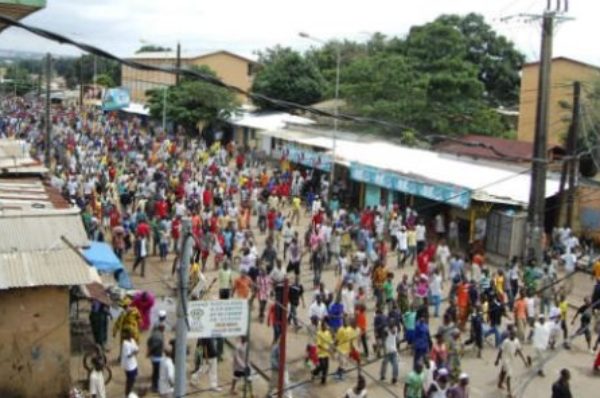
x: 257, y: 224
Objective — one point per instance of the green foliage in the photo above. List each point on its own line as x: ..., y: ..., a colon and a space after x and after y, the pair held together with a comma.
x: 151, y: 48
x: 74, y: 69
x: 193, y: 102
x: 445, y: 77
x: 105, y: 80
x: 288, y: 76
x: 20, y: 80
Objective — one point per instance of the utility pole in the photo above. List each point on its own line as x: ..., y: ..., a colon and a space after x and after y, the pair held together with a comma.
x: 574, y: 160
x: 283, y: 305
x: 178, y: 63
x: 80, y: 83
x: 48, y: 122
x: 182, y: 324
x: 537, y: 194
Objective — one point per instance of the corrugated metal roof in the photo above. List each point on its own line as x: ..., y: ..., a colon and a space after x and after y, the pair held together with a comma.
x: 61, y: 267
x: 41, y: 230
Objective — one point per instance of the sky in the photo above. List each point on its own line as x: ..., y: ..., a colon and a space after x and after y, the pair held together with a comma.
x: 122, y: 26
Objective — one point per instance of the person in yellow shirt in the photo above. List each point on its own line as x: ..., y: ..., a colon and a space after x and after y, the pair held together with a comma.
x: 296, y: 204
x: 344, y: 340
x: 563, y: 306
x: 499, y: 282
x: 324, y: 346
x: 596, y: 270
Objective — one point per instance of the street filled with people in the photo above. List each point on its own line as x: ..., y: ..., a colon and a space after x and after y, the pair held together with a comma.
x: 387, y: 298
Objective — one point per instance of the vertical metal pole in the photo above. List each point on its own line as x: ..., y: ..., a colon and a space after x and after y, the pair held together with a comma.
x: 537, y: 197
x: 164, y: 110
x: 81, y: 83
x: 181, y: 327
x: 573, y: 170
x: 283, y: 338
x: 247, y: 356
x: 48, y: 122
x: 335, y: 120
x: 178, y: 64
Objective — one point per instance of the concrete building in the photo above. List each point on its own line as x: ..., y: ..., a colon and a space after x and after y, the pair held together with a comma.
x: 231, y: 68
x: 565, y: 71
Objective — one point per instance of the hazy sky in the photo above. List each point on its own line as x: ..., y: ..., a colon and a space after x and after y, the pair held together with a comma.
x: 242, y: 26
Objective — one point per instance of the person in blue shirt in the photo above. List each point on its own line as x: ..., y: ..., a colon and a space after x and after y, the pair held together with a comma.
x: 228, y: 235
x: 380, y: 325
x: 422, y: 341
x: 335, y: 315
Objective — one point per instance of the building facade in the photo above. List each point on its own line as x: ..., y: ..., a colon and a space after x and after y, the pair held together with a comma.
x: 565, y: 72
x: 233, y: 69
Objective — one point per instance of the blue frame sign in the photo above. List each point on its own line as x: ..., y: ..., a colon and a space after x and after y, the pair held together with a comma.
x: 451, y: 194
x: 115, y: 99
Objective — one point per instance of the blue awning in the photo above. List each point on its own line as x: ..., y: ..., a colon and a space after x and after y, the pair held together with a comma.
x: 104, y: 259
x: 102, y: 256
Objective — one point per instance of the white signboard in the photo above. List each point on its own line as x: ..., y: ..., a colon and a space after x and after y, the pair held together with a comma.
x: 217, y: 318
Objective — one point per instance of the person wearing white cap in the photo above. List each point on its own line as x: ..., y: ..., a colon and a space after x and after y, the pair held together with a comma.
x: 439, y: 387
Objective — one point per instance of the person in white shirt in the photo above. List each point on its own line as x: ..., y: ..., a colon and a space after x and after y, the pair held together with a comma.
x: 166, y: 376
x: 421, y: 232
x: 402, y: 245
x: 391, y: 341
x: 440, y: 225
x: 510, y: 348
x: 348, y: 299
x: 453, y: 234
x: 442, y: 255
x: 96, y: 386
x: 541, y: 339
x: 435, y: 288
x: 317, y: 309
x: 129, y: 362
x: 394, y: 227
x: 570, y: 261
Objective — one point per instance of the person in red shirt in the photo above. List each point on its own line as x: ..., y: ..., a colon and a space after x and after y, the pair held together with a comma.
x: 318, y: 218
x: 207, y: 197
x: 271, y: 216
x: 175, y: 232
x: 423, y: 262
x: 161, y: 208
x: 239, y: 161
x: 462, y: 303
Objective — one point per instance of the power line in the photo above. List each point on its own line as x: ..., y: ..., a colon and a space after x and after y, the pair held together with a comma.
x: 278, y: 103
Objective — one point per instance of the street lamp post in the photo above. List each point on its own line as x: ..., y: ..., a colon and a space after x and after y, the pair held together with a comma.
x: 338, y: 56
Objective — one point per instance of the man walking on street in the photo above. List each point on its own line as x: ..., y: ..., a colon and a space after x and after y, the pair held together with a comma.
x: 391, y: 341
x: 509, y: 349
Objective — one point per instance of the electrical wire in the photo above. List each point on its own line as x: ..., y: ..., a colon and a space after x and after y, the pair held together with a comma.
x: 278, y: 103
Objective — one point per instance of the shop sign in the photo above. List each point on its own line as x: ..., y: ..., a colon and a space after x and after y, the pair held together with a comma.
x: 446, y: 193
x: 217, y: 318
x: 115, y: 99
x: 306, y: 157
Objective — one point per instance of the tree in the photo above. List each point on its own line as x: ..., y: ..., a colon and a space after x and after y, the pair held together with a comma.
x: 193, y: 102
x: 74, y: 69
x: 497, y: 59
x: 20, y: 80
x: 288, y: 76
x: 151, y: 48
x: 105, y: 80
